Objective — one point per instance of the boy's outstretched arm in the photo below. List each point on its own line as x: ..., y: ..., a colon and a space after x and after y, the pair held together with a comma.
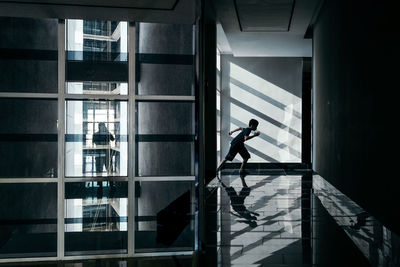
x: 237, y: 129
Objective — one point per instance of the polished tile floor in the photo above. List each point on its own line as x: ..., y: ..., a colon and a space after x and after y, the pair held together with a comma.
x: 264, y: 218
x: 272, y: 218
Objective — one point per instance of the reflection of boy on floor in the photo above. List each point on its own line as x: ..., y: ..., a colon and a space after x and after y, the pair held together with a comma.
x: 237, y: 144
x: 237, y: 203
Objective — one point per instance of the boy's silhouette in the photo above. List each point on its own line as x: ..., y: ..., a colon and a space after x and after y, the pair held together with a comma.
x: 237, y: 144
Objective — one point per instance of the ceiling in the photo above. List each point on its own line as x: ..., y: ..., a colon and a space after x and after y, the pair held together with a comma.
x: 166, y: 11
x: 257, y: 28
x: 246, y: 27
x: 143, y: 4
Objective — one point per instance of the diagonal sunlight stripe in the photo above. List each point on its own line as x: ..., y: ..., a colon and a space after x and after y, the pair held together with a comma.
x: 284, y: 116
x: 255, y: 252
x: 265, y: 87
x: 268, y: 151
x: 282, y: 135
x: 262, y: 96
x: 256, y: 155
x: 258, y: 147
x: 266, y: 137
x: 264, y: 117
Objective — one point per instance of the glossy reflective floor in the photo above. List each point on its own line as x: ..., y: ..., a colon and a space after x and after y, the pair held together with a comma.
x: 272, y: 218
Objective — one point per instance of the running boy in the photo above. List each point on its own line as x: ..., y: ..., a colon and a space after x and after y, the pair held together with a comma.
x: 237, y: 144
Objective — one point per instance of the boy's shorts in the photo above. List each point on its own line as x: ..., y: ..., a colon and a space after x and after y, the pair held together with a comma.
x: 237, y: 148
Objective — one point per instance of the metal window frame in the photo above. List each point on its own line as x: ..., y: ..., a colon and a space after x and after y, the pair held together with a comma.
x: 132, y: 98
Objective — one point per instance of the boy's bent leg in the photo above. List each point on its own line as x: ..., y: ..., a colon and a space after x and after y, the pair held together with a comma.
x: 230, y: 156
x: 245, y: 155
x: 243, y: 164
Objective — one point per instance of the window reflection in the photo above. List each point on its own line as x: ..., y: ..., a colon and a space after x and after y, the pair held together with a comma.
x: 96, y: 138
x: 28, y: 220
x: 108, y: 88
x: 97, y: 40
x: 96, y: 211
x: 164, y: 223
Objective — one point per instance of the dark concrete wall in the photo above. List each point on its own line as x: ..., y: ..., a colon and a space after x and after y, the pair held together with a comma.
x: 355, y: 103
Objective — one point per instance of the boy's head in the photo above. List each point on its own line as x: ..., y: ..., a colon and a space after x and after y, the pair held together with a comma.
x: 253, y: 124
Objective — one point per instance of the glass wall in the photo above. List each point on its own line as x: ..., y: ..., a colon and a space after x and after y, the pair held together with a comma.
x: 28, y: 138
x: 165, y: 223
x: 96, y: 140
x: 96, y: 216
x: 164, y: 139
x: 93, y: 127
x: 28, y: 225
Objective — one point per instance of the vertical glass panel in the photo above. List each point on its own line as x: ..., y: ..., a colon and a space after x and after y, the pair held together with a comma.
x: 165, y: 50
x: 103, y: 88
x: 29, y: 76
x: 28, y: 138
x: 97, y: 40
x: 28, y: 49
x: 96, y: 216
x: 168, y: 118
x: 164, y: 223
x: 165, y: 143
x: 157, y: 38
x: 28, y: 33
x: 96, y: 138
x: 172, y: 79
x: 28, y: 220
x: 166, y: 158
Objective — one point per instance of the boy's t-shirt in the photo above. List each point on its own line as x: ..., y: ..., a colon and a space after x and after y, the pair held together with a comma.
x: 240, y: 137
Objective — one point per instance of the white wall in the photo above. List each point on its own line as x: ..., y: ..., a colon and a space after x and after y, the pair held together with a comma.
x: 268, y: 90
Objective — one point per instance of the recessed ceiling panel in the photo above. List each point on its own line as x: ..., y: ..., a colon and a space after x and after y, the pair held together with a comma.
x: 264, y: 15
x: 134, y: 4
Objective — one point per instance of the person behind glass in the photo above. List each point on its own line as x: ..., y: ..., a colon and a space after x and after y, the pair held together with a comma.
x: 237, y: 144
x: 102, y: 139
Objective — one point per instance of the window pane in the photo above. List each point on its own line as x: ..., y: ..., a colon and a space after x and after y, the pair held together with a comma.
x: 165, y: 158
x: 165, y: 118
x: 97, y: 40
x: 96, y: 216
x: 28, y: 76
x: 105, y: 88
x: 157, y: 38
x: 28, y: 33
x: 96, y: 138
x: 164, y: 223
x: 172, y: 79
x: 28, y: 138
x: 28, y: 220
x: 28, y: 49
x: 166, y: 61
